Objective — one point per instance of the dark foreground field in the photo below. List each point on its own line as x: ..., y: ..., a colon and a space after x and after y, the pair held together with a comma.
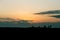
x: 31, y: 29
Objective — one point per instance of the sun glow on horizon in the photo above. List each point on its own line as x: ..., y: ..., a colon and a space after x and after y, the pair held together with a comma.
x: 24, y: 9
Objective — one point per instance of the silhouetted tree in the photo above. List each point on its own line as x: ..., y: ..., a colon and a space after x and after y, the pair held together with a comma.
x: 49, y: 26
x: 39, y: 27
x: 45, y: 26
x: 32, y: 26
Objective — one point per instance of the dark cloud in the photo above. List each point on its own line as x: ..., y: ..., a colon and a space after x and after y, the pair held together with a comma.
x: 6, y: 19
x: 56, y: 16
x: 49, y: 12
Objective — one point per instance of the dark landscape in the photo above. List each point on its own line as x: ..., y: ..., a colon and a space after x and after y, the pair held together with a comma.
x: 32, y: 15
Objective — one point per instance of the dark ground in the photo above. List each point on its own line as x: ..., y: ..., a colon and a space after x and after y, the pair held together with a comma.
x: 32, y: 29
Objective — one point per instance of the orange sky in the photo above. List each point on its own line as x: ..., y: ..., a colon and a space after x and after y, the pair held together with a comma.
x: 24, y: 9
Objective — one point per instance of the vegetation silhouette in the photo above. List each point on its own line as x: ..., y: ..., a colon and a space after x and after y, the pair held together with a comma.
x: 50, y: 26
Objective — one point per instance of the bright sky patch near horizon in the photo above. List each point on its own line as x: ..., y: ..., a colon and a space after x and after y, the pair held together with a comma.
x: 24, y: 9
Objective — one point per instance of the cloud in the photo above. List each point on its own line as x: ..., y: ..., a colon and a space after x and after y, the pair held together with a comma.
x: 55, y: 16
x: 52, y: 12
x: 6, y: 19
x: 49, y: 12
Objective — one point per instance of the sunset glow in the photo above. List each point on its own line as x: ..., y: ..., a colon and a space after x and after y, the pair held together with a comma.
x: 25, y: 9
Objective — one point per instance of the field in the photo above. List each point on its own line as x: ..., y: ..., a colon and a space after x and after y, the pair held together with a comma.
x: 30, y: 29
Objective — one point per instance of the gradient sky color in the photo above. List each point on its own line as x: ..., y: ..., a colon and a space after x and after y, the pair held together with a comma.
x: 24, y: 9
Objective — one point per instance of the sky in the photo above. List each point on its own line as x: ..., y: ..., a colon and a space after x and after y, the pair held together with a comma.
x: 25, y: 9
